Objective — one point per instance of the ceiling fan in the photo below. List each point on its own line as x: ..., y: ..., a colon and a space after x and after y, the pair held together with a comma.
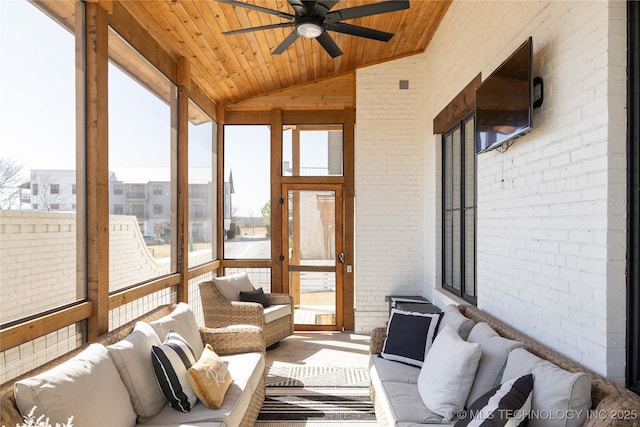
x: 312, y: 19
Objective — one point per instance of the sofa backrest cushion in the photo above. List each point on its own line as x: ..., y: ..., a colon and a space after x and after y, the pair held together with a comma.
x: 183, y: 321
x: 447, y: 373
x: 132, y: 357
x: 452, y: 317
x: 231, y: 285
x: 495, y: 351
x: 560, y: 398
x: 87, y: 387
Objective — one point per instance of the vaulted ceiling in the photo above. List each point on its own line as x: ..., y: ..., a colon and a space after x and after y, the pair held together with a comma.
x: 240, y: 71
x: 234, y: 68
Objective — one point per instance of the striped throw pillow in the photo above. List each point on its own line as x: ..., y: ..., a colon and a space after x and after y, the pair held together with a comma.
x: 171, y: 362
x: 506, y: 405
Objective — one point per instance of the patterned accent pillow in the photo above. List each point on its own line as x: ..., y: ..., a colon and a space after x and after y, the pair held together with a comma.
x: 171, y: 360
x: 209, y: 378
x: 409, y: 336
x: 507, y: 404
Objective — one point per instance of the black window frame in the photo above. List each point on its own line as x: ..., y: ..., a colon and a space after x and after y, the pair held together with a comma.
x: 463, y: 290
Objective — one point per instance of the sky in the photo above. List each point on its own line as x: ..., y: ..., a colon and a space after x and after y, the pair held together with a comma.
x: 37, y: 114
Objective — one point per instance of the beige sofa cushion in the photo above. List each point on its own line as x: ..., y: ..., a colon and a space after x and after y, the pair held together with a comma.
x: 132, y: 357
x: 87, y: 387
x: 231, y: 285
x: 560, y: 398
x: 452, y: 317
x: 495, y: 350
x: 182, y: 321
x: 447, y: 373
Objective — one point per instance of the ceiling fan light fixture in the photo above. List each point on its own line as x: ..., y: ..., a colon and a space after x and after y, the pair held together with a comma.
x: 309, y: 27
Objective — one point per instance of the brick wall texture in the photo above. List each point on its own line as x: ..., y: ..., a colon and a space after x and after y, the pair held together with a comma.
x: 551, y: 209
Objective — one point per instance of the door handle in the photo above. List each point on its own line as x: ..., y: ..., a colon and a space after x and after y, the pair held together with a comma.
x: 341, y: 258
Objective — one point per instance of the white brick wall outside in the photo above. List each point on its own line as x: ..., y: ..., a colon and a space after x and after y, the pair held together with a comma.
x: 551, y: 209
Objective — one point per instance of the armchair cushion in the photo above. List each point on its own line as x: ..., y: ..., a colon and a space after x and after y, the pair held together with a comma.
x: 255, y: 296
x: 275, y: 312
x: 230, y: 286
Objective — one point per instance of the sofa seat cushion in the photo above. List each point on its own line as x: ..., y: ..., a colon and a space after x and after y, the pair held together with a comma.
x: 246, y: 369
x: 388, y: 370
x: 87, y: 387
x: 555, y: 390
x: 275, y: 312
x: 407, y: 405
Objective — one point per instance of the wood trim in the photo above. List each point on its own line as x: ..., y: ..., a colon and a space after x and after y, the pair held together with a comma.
x: 458, y: 108
x: 276, y: 194
x: 128, y: 295
x: 348, y: 192
x: 220, y: 190
x: 198, y: 96
x: 312, y: 179
x: 246, y: 263
x: 32, y: 329
x: 97, y: 174
x: 309, y: 117
x: 247, y: 117
x: 181, y: 153
x: 203, y: 269
x: 138, y: 37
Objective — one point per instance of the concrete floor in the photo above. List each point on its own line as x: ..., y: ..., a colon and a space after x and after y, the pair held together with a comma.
x: 339, y: 349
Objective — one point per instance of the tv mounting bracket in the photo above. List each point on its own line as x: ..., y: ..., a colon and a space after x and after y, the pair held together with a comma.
x: 538, y: 82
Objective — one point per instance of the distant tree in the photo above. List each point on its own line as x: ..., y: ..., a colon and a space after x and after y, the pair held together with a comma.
x: 10, y: 180
x: 266, y: 214
x: 45, y: 197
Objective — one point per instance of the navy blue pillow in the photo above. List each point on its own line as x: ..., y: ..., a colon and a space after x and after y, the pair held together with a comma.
x: 409, y: 336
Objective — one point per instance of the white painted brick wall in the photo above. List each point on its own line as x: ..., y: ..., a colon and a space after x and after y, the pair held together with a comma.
x: 551, y: 210
x: 389, y: 189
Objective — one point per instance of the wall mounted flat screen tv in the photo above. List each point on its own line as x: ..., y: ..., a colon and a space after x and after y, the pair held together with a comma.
x: 504, y: 101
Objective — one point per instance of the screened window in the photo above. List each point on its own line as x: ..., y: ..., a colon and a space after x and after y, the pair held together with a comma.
x: 38, y: 84
x: 142, y: 138
x: 247, y: 192
x: 459, y: 211
x: 202, y: 187
x: 312, y: 150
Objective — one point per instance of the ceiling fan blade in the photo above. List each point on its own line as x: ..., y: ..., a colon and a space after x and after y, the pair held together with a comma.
x: 366, y: 10
x: 329, y: 45
x: 285, y: 43
x: 355, y: 30
x: 299, y: 7
x: 258, y: 8
x: 264, y: 27
x: 322, y: 7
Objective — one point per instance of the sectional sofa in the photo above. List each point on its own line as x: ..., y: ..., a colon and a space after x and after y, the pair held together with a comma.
x: 561, y: 392
x: 111, y: 382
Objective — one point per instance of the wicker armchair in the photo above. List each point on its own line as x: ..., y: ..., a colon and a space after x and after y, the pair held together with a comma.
x: 220, y: 311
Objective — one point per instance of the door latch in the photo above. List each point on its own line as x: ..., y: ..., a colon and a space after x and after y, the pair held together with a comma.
x: 341, y: 258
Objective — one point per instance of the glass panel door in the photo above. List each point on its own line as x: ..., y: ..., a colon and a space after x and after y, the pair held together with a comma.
x: 314, y: 238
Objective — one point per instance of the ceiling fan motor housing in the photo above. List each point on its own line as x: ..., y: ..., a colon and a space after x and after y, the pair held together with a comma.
x: 309, y: 26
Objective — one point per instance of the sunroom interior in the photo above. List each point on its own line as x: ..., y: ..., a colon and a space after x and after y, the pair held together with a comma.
x: 144, y: 152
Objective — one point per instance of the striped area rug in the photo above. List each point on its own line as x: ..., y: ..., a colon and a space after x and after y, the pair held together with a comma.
x: 317, y: 396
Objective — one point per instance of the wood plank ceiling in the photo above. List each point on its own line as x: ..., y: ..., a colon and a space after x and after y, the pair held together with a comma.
x: 239, y: 72
x: 237, y: 68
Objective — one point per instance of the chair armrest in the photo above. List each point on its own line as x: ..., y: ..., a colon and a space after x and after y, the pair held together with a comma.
x: 376, y: 343
x: 279, y: 298
x: 234, y: 339
x: 219, y: 311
